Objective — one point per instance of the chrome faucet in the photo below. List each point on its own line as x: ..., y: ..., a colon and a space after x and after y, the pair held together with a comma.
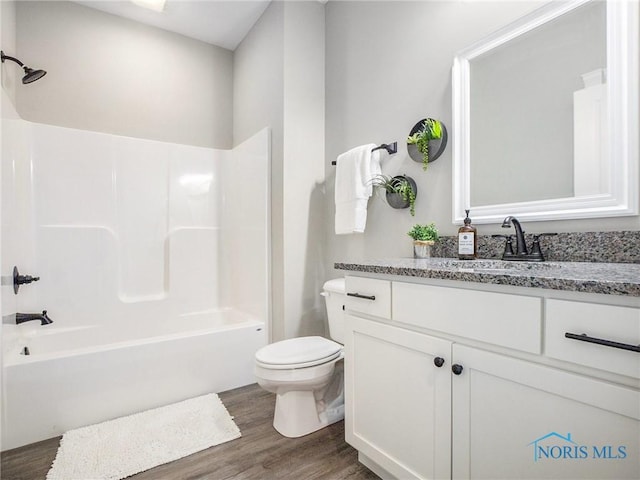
x: 522, y: 253
x: 27, y: 317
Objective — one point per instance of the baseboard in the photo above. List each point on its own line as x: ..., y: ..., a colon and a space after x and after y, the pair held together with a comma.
x: 374, y: 467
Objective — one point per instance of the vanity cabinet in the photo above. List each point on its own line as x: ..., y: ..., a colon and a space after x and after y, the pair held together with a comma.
x: 398, y: 386
x: 516, y: 419
x: 454, y: 382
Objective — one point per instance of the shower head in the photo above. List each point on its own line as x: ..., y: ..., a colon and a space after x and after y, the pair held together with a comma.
x: 30, y: 75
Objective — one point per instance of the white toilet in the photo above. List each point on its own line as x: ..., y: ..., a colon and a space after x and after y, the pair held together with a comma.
x: 304, y: 374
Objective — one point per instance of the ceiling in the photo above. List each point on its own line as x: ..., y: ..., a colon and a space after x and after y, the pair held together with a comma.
x: 219, y: 22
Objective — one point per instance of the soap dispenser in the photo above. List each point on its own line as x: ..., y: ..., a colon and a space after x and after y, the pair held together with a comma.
x: 467, y: 240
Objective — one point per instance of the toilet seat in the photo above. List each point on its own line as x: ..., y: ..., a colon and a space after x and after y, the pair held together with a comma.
x: 299, y: 352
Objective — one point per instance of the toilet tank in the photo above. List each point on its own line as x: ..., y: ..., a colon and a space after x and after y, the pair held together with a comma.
x: 334, y: 294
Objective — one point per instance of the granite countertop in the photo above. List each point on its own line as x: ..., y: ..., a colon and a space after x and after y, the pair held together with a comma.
x: 591, y: 277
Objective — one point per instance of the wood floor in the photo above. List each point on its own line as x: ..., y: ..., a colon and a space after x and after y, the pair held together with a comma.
x: 261, y: 453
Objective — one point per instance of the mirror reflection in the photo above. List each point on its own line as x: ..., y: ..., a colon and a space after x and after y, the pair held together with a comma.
x: 538, y: 112
x: 546, y: 115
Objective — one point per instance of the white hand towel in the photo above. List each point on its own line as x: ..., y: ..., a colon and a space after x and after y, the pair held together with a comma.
x: 354, y: 171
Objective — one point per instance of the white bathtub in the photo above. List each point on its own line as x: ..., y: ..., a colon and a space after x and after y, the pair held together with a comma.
x: 83, y: 375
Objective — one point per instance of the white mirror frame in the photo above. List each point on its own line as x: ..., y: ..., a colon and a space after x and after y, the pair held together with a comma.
x: 622, y: 90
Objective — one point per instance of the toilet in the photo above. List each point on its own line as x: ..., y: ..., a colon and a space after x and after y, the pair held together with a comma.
x: 305, y: 375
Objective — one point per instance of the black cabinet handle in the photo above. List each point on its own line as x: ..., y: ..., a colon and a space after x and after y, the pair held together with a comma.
x: 358, y: 295
x: 583, y: 337
x: 456, y: 369
x: 438, y: 361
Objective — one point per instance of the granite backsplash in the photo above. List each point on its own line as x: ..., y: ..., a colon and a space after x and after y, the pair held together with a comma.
x: 610, y: 247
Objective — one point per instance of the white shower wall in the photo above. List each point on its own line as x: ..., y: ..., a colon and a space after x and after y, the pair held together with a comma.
x: 245, y: 214
x: 120, y: 226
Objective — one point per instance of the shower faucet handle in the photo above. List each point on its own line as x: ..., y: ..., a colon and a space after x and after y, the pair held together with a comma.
x: 21, y: 280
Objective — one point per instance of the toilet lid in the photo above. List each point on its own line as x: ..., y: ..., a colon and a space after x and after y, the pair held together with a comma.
x: 298, y: 352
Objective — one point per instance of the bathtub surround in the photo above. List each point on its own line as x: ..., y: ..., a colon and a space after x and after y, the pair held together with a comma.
x: 119, y: 224
x: 153, y: 260
x: 119, y: 448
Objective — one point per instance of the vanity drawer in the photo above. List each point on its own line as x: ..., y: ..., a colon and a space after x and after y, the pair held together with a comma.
x: 604, y: 322
x: 512, y: 321
x: 369, y: 295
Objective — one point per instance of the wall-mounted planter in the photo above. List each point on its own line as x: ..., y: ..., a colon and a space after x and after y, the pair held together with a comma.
x: 401, y: 191
x: 435, y: 146
x: 397, y: 200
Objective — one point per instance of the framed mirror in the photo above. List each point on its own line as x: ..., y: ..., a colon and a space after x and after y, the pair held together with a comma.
x: 545, y: 114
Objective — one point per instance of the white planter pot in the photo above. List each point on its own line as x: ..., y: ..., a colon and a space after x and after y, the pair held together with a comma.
x: 422, y: 249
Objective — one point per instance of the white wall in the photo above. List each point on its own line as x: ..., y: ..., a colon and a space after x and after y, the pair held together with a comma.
x: 9, y: 76
x: 303, y: 168
x: 388, y: 65
x: 279, y: 82
x: 114, y: 75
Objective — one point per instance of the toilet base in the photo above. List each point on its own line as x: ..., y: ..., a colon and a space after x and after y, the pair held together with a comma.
x: 301, y: 412
x: 308, y: 420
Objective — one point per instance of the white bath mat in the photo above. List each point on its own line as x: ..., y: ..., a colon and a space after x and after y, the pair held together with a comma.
x: 122, y: 447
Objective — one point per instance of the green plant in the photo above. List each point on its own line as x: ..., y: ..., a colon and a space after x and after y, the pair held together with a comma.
x: 431, y: 130
x: 399, y: 185
x: 424, y: 232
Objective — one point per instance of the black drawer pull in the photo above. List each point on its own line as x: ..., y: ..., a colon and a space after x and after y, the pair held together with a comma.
x: 357, y: 295
x: 583, y: 337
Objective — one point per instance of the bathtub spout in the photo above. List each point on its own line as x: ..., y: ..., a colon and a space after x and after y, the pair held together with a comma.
x: 26, y: 317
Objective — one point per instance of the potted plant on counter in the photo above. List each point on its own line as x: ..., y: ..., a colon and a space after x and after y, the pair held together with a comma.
x: 400, y: 190
x: 424, y: 237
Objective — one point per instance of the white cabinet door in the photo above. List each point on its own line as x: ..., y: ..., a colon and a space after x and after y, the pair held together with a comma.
x: 398, y: 401
x: 516, y: 419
